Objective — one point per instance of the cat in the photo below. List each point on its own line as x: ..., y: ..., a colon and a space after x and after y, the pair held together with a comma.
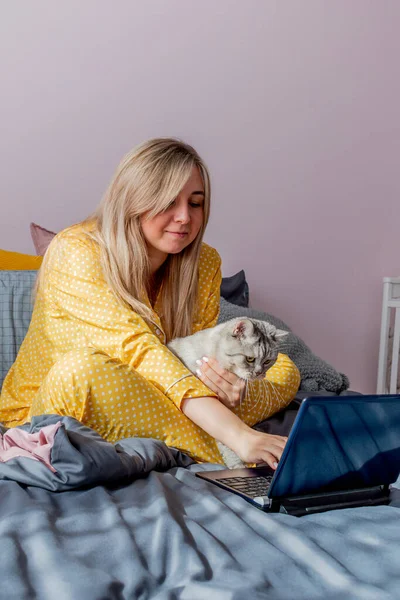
x: 246, y: 347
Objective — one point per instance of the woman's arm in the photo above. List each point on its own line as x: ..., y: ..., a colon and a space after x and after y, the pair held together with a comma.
x: 223, y: 425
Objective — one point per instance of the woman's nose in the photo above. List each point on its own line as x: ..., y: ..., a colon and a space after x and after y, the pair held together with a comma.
x: 182, y: 214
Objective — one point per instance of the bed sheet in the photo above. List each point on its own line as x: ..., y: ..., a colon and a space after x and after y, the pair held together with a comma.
x: 132, y: 520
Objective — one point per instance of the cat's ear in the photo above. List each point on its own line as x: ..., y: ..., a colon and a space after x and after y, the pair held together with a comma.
x: 241, y: 328
x: 279, y: 334
x: 275, y: 333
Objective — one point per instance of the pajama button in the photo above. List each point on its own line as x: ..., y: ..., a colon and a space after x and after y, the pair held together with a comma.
x: 158, y: 331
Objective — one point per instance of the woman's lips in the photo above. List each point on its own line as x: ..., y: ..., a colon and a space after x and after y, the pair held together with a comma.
x: 176, y: 234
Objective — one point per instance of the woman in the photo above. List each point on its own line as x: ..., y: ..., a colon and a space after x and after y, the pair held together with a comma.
x: 111, y: 292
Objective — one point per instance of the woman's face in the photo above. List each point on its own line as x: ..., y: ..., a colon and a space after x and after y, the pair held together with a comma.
x: 174, y: 229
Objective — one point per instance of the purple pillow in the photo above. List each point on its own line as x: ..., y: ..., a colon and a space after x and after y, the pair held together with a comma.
x: 41, y: 238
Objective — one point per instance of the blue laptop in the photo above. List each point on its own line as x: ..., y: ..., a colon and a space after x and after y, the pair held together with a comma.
x: 342, y: 451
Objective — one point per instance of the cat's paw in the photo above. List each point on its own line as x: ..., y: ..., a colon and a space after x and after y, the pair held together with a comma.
x: 230, y: 458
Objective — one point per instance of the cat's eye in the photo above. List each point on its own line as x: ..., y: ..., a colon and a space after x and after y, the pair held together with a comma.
x: 250, y: 359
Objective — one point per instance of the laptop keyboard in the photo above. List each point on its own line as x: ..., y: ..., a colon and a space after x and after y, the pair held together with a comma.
x: 252, y: 486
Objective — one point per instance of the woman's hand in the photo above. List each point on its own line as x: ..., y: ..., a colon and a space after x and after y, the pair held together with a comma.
x: 256, y: 447
x: 224, y: 425
x: 229, y: 387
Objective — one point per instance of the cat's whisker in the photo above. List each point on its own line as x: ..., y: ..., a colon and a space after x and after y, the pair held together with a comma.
x: 277, y: 392
x: 259, y: 396
x: 267, y: 384
x: 244, y: 393
x: 268, y: 390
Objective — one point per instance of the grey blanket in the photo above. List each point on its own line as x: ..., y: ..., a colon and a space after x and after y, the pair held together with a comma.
x: 131, y: 521
x: 316, y: 374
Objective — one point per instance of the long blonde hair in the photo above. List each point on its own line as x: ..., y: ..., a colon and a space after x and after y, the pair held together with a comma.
x: 146, y: 181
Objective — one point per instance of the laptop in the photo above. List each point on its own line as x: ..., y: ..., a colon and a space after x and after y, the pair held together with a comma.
x: 342, y: 452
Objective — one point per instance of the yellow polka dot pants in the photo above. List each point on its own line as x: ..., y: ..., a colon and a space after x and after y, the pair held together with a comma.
x: 117, y: 402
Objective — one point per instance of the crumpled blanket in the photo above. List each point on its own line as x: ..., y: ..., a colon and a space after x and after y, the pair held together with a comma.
x: 78, y: 456
x: 316, y: 374
x: 34, y: 445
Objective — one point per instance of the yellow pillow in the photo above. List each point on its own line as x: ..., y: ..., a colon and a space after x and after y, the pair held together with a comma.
x: 15, y: 261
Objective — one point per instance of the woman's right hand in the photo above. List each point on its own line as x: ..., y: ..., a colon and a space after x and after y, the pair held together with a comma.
x: 257, y: 447
x: 224, y: 425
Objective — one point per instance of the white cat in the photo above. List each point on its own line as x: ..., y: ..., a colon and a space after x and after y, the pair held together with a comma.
x: 246, y: 347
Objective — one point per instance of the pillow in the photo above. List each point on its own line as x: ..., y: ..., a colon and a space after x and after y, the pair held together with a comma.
x: 15, y: 261
x: 16, y: 304
x: 235, y: 289
x: 41, y: 238
x: 316, y: 374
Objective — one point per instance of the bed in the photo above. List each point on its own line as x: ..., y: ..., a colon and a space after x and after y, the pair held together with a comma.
x: 132, y: 520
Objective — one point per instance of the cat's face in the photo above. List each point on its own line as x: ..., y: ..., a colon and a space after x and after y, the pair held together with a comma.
x: 249, y: 347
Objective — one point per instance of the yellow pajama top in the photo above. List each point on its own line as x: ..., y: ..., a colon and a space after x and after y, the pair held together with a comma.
x: 76, y: 308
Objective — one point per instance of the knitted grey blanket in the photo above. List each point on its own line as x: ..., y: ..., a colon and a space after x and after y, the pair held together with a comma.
x: 316, y: 374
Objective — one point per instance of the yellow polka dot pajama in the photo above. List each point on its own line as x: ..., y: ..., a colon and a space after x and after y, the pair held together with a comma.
x: 87, y: 356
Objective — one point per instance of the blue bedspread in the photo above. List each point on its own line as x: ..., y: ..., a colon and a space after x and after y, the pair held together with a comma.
x: 133, y: 521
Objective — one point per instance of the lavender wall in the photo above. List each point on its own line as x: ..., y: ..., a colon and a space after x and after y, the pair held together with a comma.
x: 294, y: 106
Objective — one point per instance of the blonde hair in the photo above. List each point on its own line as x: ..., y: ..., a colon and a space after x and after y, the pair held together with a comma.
x: 146, y: 181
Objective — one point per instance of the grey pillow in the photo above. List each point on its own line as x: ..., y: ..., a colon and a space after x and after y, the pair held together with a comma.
x: 316, y: 374
x: 15, y: 314
x: 235, y: 289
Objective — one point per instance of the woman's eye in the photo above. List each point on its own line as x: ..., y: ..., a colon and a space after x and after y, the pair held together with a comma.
x: 196, y: 205
x: 250, y: 359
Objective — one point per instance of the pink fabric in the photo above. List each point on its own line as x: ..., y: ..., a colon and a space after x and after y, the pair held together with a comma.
x: 17, y: 442
x: 41, y: 238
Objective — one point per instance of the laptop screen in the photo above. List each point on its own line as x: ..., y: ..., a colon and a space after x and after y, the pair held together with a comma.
x: 340, y: 443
